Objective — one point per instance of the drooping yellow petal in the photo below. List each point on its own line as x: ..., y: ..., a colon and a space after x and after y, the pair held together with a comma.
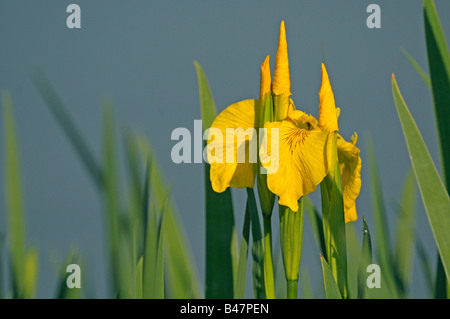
x: 266, y: 80
x: 327, y: 107
x: 232, y: 147
x: 350, y: 167
x: 281, y: 79
x: 301, y: 159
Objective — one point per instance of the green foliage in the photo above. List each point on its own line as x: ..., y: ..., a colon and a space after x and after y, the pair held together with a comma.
x: 221, y: 241
x: 432, y: 189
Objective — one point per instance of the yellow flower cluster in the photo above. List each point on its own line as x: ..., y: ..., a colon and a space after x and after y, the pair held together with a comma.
x: 304, y: 143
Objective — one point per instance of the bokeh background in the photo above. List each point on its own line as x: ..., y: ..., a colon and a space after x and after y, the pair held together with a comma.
x: 141, y: 54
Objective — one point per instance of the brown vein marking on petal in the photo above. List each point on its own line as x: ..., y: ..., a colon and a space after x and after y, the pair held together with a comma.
x: 295, y: 138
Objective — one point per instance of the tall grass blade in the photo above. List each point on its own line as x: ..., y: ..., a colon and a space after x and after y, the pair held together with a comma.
x: 316, y: 223
x: 417, y: 67
x: 425, y: 266
x: 57, y: 108
x: 331, y: 288
x: 182, y: 279
x: 365, y: 260
x: 382, y: 238
x: 63, y: 291
x: 305, y: 284
x: 221, y: 241
x: 353, y: 252
x: 139, y: 279
x: 439, y: 64
x: 14, y: 200
x: 110, y: 194
x: 432, y: 189
x: 333, y: 220
x: 239, y: 287
x: 31, y: 273
x: 405, y: 234
x: 259, y: 288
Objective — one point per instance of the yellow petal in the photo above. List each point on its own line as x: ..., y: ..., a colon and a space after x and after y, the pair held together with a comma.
x: 350, y: 167
x: 236, y: 168
x: 266, y: 80
x: 301, y: 160
x: 327, y: 107
x: 281, y: 79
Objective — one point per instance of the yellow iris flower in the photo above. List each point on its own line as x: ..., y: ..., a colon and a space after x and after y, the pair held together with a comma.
x: 304, y: 143
x: 348, y: 153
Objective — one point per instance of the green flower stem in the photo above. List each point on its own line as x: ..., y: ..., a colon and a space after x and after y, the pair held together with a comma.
x: 292, y: 289
x: 268, y: 261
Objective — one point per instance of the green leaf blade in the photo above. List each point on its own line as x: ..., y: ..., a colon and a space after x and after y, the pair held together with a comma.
x: 221, y: 241
x: 432, y: 189
x: 331, y: 288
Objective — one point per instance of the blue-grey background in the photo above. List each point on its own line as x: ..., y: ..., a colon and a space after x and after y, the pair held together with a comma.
x: 141, y: 54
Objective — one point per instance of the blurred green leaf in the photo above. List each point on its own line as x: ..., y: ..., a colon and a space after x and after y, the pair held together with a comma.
x: 64, y: 292
x: 405, y: 234
x: 425, y: 265
x: 57, y: 108
x: 382, y: 238
x: 434, y: 194
x: 181, y: 274
x: 417, y: 67
x: 14, y: 200
x: 316, y: 223
x: 111, y: 193
x: 153, y: 272
x: 221, y: 241
x: 139, y: 279
x: 305, y: 284
x: 31, y: 273
x: 364, y: 261
x: 331, y: 288
x: 259, y: 288
x: 239, y: 289
x: 2, y: 242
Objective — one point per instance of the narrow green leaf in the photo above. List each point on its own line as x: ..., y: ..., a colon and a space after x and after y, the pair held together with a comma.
x: 110, y: 194
x: 382, y: 238
x: 259, y: 289
x: 139, y: 279
x: 364, y: 261
x: 2, y: 242
x: 331, y: 288
x: 316, y: 223
x: 182, y: 279
x: 405, y: 234
x: 59, y: 111
x: 221, y: 241
x: 136, y: 194
x: 439, y: 63
x: 353, y: 257
x: 305, y: 284
x: 417, y: 67
x: 14, y: 200
x: 31, y: 273
x: 333, y: 219
x: 159, y: 270
x: 64, y: 292
x: 440, y: 286
x: 432, y: 190
x: 239, y: 288
x: 425, y: 266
